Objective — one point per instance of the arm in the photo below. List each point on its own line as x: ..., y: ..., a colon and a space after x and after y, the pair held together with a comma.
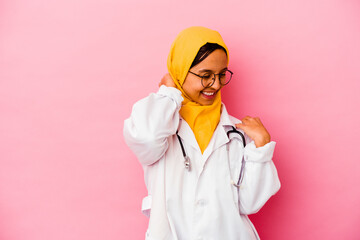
x: 153, y: 119
x: 260, y: 180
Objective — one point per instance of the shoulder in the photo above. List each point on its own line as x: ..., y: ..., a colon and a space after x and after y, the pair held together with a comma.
x: 234, y: 120
x: 227, y: 117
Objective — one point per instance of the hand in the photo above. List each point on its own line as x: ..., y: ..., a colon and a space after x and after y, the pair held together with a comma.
x: 167, y: 81
x: 254, y: 128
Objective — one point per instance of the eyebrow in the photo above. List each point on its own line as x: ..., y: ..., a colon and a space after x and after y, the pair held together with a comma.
x: 208, y: 70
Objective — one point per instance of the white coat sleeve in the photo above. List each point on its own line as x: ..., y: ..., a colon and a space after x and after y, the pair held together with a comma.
x: 153, y: 119
x: 260, y: 180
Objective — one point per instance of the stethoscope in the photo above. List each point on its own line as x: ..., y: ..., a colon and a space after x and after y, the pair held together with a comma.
x: 233, y: 130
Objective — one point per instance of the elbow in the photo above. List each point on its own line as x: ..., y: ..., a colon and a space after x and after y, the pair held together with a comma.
x: 255, y: 201
x: 150, y: 152
x: 147, y: 151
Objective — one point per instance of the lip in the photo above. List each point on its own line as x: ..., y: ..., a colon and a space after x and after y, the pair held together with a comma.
x: 208, y: 96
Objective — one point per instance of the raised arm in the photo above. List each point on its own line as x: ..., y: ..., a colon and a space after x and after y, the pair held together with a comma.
x: 153, y: 119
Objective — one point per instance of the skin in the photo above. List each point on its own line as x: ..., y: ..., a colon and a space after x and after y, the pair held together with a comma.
x: 216, y: 63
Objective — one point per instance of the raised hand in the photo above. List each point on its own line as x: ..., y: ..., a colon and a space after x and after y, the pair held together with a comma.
x: 254, y: 128
x: 167, y: 81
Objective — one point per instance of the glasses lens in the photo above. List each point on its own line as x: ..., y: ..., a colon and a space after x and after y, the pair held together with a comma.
x: 207, y: 80
x: 225, y: 77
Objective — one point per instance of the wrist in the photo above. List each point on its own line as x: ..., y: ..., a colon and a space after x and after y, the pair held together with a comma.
x: 262, y: 142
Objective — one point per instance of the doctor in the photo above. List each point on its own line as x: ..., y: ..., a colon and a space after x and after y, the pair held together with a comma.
x: 202, y: 182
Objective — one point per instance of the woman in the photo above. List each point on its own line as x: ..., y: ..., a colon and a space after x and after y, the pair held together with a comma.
x: 202, y: 182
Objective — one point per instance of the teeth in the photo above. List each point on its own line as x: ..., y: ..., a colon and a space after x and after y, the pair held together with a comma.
x: 209, y: 93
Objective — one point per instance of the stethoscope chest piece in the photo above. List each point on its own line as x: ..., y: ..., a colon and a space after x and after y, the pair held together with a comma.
x: 187, y: 163
x: 186, y: 158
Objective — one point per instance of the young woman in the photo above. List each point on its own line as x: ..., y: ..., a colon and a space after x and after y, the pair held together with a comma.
x: 205, y: 170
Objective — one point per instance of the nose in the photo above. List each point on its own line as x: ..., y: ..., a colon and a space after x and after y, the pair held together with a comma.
x: 216, y: 84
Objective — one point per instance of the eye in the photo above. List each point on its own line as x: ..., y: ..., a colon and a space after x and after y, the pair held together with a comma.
x: 206, y: 76
x: 222, y: 75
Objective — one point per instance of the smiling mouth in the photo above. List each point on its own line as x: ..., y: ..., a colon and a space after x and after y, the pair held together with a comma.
x: 208, y: 95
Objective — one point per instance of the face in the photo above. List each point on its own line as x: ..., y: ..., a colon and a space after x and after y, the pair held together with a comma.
x: 216, y: 62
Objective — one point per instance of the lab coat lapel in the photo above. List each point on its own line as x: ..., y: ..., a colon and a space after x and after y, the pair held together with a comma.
x: 219, y: 137
x: 228, y: 122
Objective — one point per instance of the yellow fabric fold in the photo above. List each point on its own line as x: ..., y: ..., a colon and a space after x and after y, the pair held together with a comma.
x: 203, y: 120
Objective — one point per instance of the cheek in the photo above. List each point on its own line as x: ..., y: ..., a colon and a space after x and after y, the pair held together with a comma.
x: 188, y: 90
x: 191, y: 86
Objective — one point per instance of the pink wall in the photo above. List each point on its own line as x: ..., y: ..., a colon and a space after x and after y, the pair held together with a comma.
x: 71, y: 70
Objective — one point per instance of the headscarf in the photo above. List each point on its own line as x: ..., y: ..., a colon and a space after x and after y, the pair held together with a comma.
x: 203, y: 120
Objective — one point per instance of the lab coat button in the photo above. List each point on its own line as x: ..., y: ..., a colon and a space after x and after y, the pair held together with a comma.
x: 201, y: 202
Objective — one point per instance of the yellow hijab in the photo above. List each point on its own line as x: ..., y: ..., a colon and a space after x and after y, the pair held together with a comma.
x: 203, y: 120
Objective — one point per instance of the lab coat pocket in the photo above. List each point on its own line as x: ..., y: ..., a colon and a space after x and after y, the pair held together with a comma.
x: 146, y: 205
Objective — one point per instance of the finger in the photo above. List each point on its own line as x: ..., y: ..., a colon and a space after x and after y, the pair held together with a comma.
x: 244, y: 119
x: 254, y: 120
x: 257, y: 119
x: 240, y: 126
x: 247, y: 118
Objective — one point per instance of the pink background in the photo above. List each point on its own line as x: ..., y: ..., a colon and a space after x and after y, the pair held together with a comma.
x: 70, y: 72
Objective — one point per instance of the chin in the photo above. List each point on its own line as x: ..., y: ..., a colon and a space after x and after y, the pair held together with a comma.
x: 205, y: 103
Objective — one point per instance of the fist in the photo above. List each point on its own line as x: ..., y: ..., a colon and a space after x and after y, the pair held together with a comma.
x: 167, y: 81
x: 254, y: 128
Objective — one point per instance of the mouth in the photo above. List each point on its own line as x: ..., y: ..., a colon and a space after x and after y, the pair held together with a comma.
x: 208, y: 94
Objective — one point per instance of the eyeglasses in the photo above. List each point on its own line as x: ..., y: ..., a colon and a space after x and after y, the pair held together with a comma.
x: 207, y: 80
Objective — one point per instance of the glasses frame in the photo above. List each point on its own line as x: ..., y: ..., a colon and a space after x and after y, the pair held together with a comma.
x: 213, y: 78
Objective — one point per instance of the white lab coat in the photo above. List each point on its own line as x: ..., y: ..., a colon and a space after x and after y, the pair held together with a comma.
x: 200, y: 203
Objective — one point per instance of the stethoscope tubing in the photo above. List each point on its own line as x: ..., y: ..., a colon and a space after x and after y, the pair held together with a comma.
x: 186, y: 158
x: 242, y: 160
x: 233, y: 130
